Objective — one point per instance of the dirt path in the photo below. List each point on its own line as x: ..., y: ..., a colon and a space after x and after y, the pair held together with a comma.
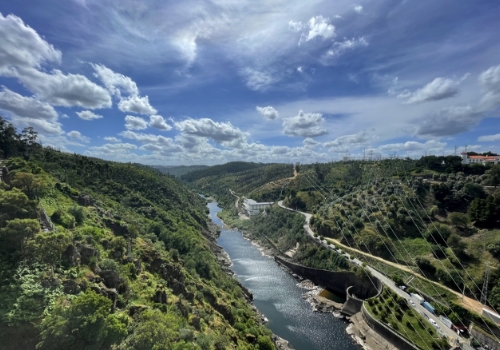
x: 236, y: 204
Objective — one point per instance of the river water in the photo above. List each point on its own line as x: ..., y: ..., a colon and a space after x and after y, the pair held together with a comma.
x: 278, y: 297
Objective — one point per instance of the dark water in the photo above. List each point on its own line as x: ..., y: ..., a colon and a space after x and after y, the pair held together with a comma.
x: 277, y: 296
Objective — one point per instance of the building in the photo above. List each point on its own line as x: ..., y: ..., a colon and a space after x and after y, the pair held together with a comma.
x: 466, y: 159
x: 253, y: 208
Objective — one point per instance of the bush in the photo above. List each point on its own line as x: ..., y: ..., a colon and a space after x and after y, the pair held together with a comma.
x: 78, y: 213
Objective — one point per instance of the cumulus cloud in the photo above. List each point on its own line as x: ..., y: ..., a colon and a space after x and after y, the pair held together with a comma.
x: 449, y: 121
x: 136, y: 104
x: 113, y: 148
x: 355, y: 139
x: 66, y: 90
x: 410, y: 146
x: 26, y: 107
x: 112, y: 139
x: 438, y: 89
x: 44, y: 127
x: 268, y: 112
x: 135, y: 123
x: 147, y: 138
x: 318, y: 27
x: 309, y: 142
x: 304, y: 125
x: 116, y: 83
x: 219, y: 132
x: 490, y: 82
x: 300, y: 69
x: 22, y: 47
x: 489, y: 138
x: 88, y: 115
x: 358, y: 8
x: 157, y: 121
x: 339, y: 47
x: 296, y: 26
x: 76, y: 135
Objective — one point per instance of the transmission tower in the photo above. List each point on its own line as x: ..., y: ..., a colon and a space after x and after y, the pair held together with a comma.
x: 484, y: 291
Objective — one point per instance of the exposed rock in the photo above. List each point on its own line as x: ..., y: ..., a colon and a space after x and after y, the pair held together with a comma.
x: 251, y: 338
x: 111, y: 278
x: 71, y: 287
x: 71, y: 256
x: 87, y: 253
x: 85, y: 200
x: 137, y: 309
x: 280, y: 343
x: 160, y: 296
x: 118, y: 228
x: 225, y: 311
x: 110, y: 293
x: 138, y: 266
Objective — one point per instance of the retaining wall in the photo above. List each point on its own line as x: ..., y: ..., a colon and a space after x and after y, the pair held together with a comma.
x: 386, y: 332
x: 337, y: 282
x: 352, y: 304
x: 484, y: 338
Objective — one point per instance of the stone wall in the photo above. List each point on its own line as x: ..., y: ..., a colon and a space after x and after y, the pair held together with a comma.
x: 389, y: 334
x: 336, y: 282
x: 484, y: 338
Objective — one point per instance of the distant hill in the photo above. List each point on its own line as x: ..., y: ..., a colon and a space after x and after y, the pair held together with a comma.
x: 228, y: 168
x: 180, y: 170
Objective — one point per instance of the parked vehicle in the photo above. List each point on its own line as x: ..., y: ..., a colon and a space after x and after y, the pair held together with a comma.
x: 429, y: 307
x: 419, y: 298
x: 433, y: 323
x: 447, y: 322
x: 412, y: 303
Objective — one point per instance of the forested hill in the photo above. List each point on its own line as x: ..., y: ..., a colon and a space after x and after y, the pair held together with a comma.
x: 220, y: 170
x: 180, y: 170
x: 100, y: 255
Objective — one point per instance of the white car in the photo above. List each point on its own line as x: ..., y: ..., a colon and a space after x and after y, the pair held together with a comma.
x: 412, y: 303
x: 433, y: 323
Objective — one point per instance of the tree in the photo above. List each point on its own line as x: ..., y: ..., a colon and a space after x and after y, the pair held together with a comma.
x: 438, y: 233
x: 30, y: 184
x: 459, y: 220
x: 15, y: 204
x: 48, y: 247
x: 493, y: 175
x: 18, y: 231
x: 85, y: 324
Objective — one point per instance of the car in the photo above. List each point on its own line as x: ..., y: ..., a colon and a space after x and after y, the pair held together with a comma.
x: 402, y: 288
x: 412, y: 303
x: 433, y: 323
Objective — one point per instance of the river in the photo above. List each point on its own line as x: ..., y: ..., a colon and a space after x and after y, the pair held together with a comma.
x: 278, y: 297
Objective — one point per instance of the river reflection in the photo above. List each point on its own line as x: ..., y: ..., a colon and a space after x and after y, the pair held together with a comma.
x: 277, y: 296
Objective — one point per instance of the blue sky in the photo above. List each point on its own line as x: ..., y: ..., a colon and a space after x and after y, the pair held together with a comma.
x: 205, y: 82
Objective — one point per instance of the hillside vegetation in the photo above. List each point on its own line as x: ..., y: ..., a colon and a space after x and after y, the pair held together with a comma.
x: 100, y: 255
x: 180, y: 170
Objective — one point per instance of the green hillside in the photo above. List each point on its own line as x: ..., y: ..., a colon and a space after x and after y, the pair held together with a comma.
x: 124, y: 258
x: 180, y: 170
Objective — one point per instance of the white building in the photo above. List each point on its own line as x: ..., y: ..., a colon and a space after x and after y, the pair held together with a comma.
x: 253, y: 208
x: 479, y: 159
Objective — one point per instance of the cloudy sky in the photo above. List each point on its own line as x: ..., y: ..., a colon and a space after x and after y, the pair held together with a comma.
x: 205, y: 82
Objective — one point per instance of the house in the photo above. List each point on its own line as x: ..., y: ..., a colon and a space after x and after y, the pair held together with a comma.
x: 466, y: 159
x: 253, y: 208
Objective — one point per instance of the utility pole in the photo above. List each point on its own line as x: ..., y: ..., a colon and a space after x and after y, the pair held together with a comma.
x: 484, y: 292
x: 456, y: 150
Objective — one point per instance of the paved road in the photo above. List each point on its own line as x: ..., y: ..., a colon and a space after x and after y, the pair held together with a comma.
x: 450, y: 334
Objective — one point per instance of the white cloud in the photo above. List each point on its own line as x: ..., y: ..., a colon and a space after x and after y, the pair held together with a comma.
x: 489, y: 138
x: 222, y: 133
x: 339, y: 47
x: 304, y: 125
x: 157, y: 121
x: 113, y: 148
x: 78, y: 136
x: 449, y: 121
x: 358, y: 8
x: 22, y: 47
x: 268, y: 112
x: 116, y: 83
x: 88, y: 115
x: 65, y: 90
x: 318, y: 27
x: 136, y: 104
x: 112, y: 139
x: 147, y: 138
x: 309, y: 142
x: 296, y: 26
x: 135, y: 123
x: 26, y: 107
x: 300, y: 69
x: 438, y: 89
x: 410, y: 146
x: 490, y: 82
x: 44, y: 127
x: 355, y: 139
x: 258, y: 80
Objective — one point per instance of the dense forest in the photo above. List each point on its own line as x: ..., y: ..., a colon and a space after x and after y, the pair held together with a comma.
x: 100, y: 255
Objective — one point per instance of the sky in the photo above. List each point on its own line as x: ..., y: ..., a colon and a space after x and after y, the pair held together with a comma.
x: 207, y: 82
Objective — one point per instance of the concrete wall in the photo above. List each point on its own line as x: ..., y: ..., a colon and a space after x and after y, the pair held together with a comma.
x: 386, y: 332
x: 484, y: 339
x: 352, y: 304
x: 336, y: 282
